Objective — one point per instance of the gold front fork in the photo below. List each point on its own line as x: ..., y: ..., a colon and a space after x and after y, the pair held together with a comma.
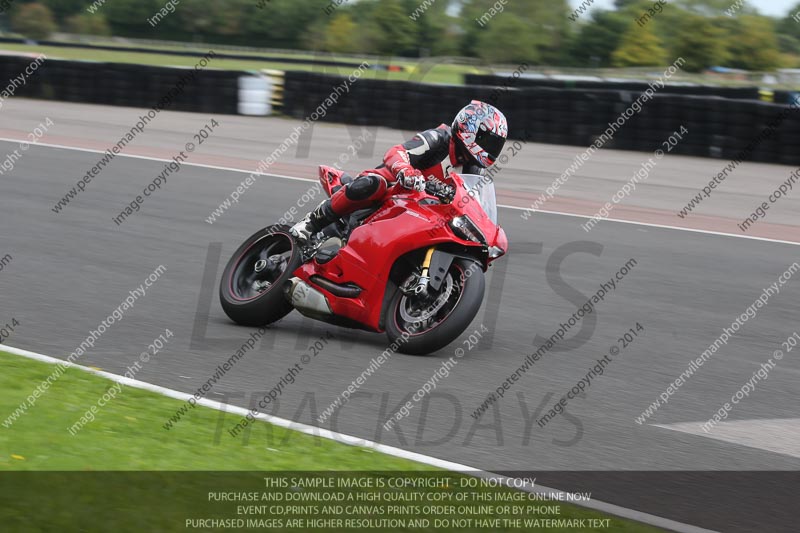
x: 424, y: 278
x: 426, y: 263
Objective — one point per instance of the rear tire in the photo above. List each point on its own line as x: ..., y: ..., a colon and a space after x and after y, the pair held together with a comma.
x: 242, y: 291
x: 466, y: 284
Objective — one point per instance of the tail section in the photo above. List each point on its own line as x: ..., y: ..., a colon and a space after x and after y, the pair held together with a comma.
x: 330, y: 178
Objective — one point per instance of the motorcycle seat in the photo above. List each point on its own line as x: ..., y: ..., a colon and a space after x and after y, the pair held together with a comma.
x: 362, y: 214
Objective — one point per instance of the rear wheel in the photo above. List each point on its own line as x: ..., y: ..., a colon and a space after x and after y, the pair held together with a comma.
x: 422, y: 324
x: 251, y: 290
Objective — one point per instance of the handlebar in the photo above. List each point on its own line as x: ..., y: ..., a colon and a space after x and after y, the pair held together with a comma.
x: 440, y: 190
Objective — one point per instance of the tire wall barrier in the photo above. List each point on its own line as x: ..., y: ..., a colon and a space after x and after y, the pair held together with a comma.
x: 742, y: 93
x: 718, y: 127
x: 122, y: 84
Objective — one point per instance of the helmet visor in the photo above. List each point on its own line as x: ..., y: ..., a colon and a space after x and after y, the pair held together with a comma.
x: 491, y: 142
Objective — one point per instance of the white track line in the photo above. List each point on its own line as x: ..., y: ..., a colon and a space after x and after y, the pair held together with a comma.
x: 517, y: 208
x: 159, y: 159
x: 603, y: 507
x: 662, y: 226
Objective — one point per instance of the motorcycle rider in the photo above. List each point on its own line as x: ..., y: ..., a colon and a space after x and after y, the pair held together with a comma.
x: 473, y: 143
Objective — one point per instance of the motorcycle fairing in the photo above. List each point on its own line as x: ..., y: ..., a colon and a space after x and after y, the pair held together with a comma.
x: 400, y: 226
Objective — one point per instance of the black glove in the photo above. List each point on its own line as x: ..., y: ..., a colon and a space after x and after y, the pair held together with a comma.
x: 440, y: 190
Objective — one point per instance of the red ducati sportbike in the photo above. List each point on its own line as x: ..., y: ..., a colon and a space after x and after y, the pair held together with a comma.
x: 412, y: 267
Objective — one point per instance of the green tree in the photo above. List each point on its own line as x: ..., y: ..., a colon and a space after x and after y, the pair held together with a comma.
x: 508, y: 40
x: 128, y: 18
x: 713, y: 8
x: 788, y: 30
x: 541, y: 28
x: 389, y: 30
x: 595, y: 41
x: 231, y: 16
x: 62, y: 9
x: 341, y: 34
x: 700, y: 41
x: 753, y: 45
x: 209, y: 20
x: 437, y: 31
x: 639, y: 47
x: 794, y: 14
x: 282, y: 23
x: 86, y: 24
x: 33, y: 20
x: 788, y: 44
x: 199, y: 18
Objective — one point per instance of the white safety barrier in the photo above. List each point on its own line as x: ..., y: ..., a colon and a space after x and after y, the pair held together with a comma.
x: 255, y: 95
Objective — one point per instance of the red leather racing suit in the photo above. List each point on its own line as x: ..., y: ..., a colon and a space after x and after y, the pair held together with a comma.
x: 431, y: 152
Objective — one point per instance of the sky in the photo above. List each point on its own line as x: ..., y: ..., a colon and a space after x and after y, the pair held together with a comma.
x: 767, y: 7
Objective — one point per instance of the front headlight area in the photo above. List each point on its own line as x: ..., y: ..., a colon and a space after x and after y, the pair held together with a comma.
x: 467, y: 230
x: 495, y: 252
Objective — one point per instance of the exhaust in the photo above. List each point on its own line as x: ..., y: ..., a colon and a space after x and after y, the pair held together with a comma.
x: 308, y: 300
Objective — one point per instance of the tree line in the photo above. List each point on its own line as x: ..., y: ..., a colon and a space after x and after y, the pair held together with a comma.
x: 545, y: 32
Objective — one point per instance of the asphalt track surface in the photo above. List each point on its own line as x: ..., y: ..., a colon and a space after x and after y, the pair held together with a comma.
x: 71, y: 270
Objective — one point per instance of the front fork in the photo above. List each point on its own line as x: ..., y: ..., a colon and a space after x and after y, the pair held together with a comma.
x: 433, y: 271
x: 424, y: 277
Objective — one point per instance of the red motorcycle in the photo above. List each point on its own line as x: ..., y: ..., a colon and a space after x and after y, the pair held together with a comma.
x: 412, y: 267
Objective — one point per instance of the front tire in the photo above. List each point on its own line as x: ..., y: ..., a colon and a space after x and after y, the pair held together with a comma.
x: 419, y: 326
x: 251, y: 290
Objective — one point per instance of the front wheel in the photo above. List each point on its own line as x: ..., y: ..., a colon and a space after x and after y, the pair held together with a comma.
x: 252, y: 287
x: 422, y: 324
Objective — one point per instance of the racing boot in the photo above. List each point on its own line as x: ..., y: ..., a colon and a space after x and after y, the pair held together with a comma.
x: 314, y: 222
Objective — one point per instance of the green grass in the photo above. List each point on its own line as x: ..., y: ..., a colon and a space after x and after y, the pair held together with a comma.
x: 127, y: 434
x: 52, y: 481
x: 202, y: 47
x: 444, y: 73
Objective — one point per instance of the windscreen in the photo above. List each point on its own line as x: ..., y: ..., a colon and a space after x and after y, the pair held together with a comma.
x: 482, y: 189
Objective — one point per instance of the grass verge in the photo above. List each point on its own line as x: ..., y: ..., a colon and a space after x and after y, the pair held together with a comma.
x: 124, y: 472
x: 444, y: 73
